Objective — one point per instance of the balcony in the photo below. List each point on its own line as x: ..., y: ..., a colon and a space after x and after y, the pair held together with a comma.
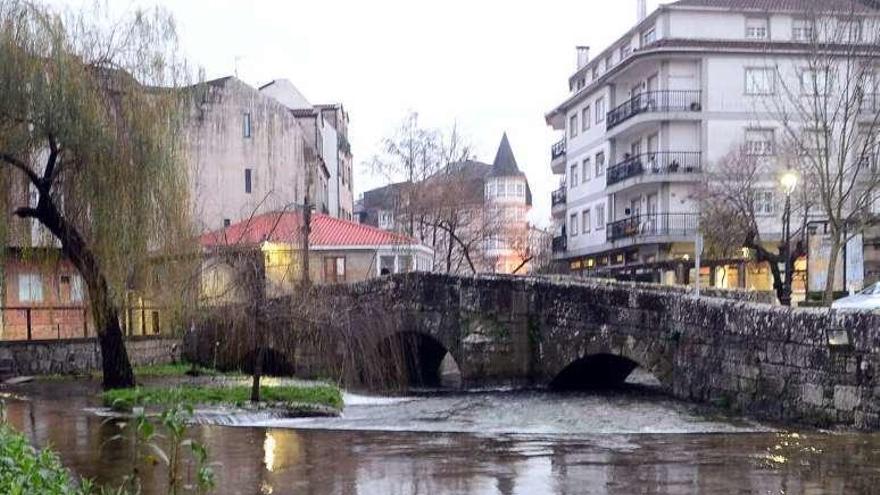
x: 557, y: 157
x: 653, y: 225
x: 654, y: 101
x: 560, y: 244
x: 657, y: 163
x: 558, y: 200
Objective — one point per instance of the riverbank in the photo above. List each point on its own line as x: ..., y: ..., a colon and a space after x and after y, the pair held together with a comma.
x: 292, y: 400
x: 26, y: 470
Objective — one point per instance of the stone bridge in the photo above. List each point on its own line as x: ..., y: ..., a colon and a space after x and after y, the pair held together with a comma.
x: 815, y: 366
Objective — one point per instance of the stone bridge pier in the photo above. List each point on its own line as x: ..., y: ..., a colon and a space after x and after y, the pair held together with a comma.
x: 808, y: 365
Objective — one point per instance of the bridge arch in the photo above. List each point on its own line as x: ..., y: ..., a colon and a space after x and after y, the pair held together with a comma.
x: 606, y: 365
x: 416, y: 359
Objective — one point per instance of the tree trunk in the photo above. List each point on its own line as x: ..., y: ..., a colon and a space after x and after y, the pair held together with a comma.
x: 114, y: 356
x: 828, y: 296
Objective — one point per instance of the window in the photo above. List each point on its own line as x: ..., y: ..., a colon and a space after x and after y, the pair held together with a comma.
x: 585, y: 170
x: 247, y: 180
x: 649, y: 36
x: 573, y: 225
x: 759, y: 142
x: 849, y: 30
x: 334, y: 269
x: 585, y: 221
x: 246, y: 125
x: 600, y: 164
x: 596, y: 72
x: 600, y: 217
x: 386, y: 265
x: 76, y: 289
x: 802, y: 30
x: 600, y: 110
x: 520, y: 190
x: 386, y: 220
x: 760, y: 81
x: 814, y: 142
x: 30, y: 287
x: 573, y: 126
x: 814, y: 82
x: 625, y: 50
x: 226, y: 222
x: 573, y: 176
x: 404, y: 263
x: 608, y: 63
x: 490, y: 190
x: 763, y: 202
x: 585, y: 118
x: 757, y: 28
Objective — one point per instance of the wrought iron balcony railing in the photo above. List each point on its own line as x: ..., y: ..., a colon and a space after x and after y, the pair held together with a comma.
x: 558, y: 197
x: 660, y: 162
x: 655, y: 101
x: 652, y: 225
x: 560, y: 244
x: 558, y: 150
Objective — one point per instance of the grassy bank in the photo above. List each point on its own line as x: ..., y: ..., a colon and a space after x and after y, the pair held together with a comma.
x: 291, y: 397
x: 25, y: 470
x: 152, y: 371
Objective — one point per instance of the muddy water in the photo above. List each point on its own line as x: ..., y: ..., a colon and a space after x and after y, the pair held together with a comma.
x: 483, y: 443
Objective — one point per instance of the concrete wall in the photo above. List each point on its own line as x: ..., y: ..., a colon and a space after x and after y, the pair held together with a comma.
x: 218, y: 153
x: 82, y: 355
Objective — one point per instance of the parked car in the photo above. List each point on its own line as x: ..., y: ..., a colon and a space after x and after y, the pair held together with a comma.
x: 868, y: 298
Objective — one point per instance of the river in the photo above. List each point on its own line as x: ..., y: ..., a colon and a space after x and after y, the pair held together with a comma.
x: 491, y: 442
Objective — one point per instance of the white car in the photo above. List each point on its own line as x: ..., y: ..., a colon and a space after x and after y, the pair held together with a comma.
x: 868, y: 299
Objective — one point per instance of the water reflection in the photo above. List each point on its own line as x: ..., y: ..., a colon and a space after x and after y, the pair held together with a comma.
x: 351, y: 462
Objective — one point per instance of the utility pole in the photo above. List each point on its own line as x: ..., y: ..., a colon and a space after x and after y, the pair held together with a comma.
x: 306, y: 230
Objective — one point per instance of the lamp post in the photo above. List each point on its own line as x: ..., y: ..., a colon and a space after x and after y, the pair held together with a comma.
x: 788, y: 181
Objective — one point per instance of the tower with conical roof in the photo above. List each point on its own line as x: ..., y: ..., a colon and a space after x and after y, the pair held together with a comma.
x: 508, y: 201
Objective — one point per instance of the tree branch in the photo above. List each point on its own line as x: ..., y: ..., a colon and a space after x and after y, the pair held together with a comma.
x: 20, y: 165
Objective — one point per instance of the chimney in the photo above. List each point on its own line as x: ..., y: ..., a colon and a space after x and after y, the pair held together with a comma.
x: 641, y: 10
x: 583, y: 56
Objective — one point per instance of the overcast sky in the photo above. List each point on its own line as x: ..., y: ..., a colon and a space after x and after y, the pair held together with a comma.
x: 489, y: 65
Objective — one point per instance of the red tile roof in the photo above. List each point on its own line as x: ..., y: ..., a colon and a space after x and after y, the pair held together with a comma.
x: 285, y: 227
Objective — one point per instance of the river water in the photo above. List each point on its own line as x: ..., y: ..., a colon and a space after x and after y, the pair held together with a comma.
x: 496, y: 442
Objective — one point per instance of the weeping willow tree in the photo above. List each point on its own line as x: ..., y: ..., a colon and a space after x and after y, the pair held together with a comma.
x: 89, y: 149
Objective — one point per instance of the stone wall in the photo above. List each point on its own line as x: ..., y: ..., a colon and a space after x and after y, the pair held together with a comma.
x: 79, y: 356
x: 815, y: 366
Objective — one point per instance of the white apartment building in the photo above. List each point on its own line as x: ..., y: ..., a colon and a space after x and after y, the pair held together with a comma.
x: 649, y: 115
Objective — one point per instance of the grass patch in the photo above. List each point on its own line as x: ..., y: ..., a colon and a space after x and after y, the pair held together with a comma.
x: 291, y: 396
x: 25, y: 470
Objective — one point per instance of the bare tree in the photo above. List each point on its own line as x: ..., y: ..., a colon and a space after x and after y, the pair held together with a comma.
x: 89, y: 147
x: 737, y: 212
x: 827, y: 104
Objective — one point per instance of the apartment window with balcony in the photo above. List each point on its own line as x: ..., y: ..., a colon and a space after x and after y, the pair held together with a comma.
x: 573, y: 126
x: 815, y: 142
x: 246, y: 125
x: 585, y: 170
x: 573, y: 176
x: 760, y: 81
x: 625, y: 51
x: 573, y: 225
x: 248, y: 180
x: 585, y: 221
x: 600, y: 110
x: 814, y: 82
x: 649, y: 36
x: 30, y: 288
x: 600, y: 164
x: 759, y: 142
x: 585, y: 118
x: 600, y: 217
x: 757, y: 28
x: 802, y: 30
x: 763, y: 202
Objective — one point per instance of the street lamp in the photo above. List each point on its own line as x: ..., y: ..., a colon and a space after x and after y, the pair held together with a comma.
x: 788, y: 181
